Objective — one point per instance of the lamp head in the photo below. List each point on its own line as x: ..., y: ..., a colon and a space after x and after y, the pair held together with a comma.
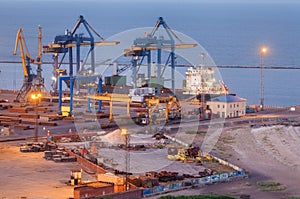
x: 36, y: 96
x: 263, y: 50
x: 124, y: 132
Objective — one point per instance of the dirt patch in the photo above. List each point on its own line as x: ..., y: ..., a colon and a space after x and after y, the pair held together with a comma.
x: 29, y: 175
x: 269, y: 154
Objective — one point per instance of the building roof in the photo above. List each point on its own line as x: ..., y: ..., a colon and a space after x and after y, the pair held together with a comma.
x: 227, y: 98
x: 95, y: 184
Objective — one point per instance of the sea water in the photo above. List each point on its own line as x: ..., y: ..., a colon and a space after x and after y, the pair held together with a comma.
x: 232, y: 34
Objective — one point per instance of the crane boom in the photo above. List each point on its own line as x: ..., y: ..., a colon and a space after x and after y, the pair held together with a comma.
x: 39, y: 56
x: 167, y: 28
x: 20, y: 41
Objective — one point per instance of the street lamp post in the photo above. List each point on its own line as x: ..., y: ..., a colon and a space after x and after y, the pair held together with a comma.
x: 124, y: 132
x: 202, y: 114
x: 263, y: 51
x: 36, y: 97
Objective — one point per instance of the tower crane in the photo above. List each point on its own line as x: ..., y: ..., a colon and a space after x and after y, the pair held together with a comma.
x: 31, y: 81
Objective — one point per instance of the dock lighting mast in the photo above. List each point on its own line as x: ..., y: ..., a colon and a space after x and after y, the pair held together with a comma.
x: 36, y: 96
x: 263, y: 51
x: 203, y: 56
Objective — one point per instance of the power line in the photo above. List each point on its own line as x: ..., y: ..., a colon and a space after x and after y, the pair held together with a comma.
x: 265, y: 67
x: 186, y: 66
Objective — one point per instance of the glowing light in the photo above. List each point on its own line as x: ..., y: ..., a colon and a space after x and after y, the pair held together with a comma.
x: 124, y: 132
x: 35, y: 96
x: 263, y: 50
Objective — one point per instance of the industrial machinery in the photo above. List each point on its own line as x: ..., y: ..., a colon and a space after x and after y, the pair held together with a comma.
x: 190, y: 154
x: 161, y: 109
x: 31, y: 81
x: 112, y: 97
x: 72, y: 79
x: 142, y: 47
x: 173, y: 109
x: 155, y: 108
x: 64, y: 44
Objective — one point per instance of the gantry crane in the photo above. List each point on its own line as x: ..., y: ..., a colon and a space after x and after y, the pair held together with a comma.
x: 143, y: 46
x: 64, y: 44
x: 31, y: 81
x: 171, y: 110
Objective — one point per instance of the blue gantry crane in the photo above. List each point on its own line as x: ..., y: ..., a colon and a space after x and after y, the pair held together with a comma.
x: 64, y: 44
x: 143, y: 46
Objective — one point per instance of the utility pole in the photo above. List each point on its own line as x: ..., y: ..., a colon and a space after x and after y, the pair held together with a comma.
x: 124, y: 132
x: 36, y: 97
x: 203, y: 56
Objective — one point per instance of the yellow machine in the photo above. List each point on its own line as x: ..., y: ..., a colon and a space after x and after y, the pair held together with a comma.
x: 25, y: 56
x: 189, y: 155
x: 181, y: 156
x: 171, y: 110
x: 206, y: 156
x: 158, y: 108
x: 112, y: 97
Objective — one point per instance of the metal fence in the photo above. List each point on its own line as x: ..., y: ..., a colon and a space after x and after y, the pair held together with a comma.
x: 175, y: 186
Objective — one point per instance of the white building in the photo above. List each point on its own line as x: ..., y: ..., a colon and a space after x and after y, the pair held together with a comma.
x: 227, y: 106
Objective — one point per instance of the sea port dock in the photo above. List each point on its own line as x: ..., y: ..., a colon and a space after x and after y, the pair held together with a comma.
x: 142, y: 139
